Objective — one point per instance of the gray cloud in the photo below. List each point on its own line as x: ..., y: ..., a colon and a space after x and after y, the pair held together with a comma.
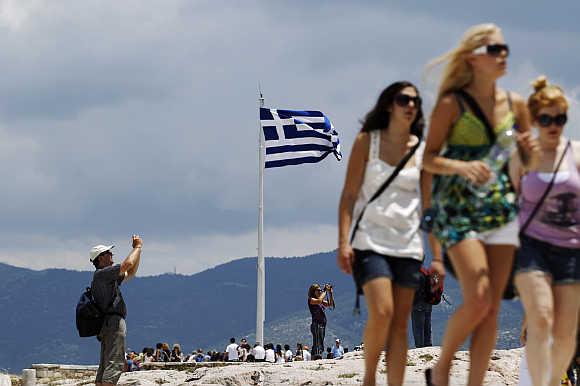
x: 121, y: 117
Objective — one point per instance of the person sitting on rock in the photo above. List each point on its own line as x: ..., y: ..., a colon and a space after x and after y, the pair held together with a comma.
x: 288, y: 355
x: 176, y: 354
x: 306, y: 356
x: 329, y: 353
x: 337, y: 350
x: 279, y: 354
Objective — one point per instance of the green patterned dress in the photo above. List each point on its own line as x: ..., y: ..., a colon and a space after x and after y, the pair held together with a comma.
x: 460, y: 213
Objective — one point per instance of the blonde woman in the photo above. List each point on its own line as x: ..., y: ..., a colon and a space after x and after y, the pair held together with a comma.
x: 548, y: 262
x: 386, y: 252
x: 479, y: 232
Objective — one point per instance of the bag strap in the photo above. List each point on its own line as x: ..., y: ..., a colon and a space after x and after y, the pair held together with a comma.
x: 545, y: 194
x: 115, y: 295
x: 385, y: 185
x: 478, y: 112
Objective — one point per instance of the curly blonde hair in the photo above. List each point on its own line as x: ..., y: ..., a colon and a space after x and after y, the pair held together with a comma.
x: 545, y: 95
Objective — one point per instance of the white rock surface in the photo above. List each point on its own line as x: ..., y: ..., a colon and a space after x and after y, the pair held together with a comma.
x: 5, y: 380
x: 503, y: 370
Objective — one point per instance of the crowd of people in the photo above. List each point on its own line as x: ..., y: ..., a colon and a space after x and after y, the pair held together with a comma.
x: 499, y: 205
x: 234, y: 352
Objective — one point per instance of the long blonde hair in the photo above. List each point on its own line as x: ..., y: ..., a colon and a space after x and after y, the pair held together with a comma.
x: 458, y: 72
x: 545, y: 95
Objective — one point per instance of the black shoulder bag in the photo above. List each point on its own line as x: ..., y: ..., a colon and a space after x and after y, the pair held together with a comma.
x: 379, y: 191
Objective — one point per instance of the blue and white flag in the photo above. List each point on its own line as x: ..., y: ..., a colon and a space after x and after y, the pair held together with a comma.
x: 295, y: 137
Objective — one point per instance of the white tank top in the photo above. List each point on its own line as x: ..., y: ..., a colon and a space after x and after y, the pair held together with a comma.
x: 390, y: 224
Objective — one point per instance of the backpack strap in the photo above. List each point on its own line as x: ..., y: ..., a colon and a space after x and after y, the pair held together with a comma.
x: 115, y: 295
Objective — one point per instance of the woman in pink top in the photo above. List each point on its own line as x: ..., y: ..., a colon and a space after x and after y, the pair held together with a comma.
x: 548, y: 261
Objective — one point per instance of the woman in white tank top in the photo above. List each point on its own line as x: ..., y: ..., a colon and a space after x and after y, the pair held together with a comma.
x: 386, y: 252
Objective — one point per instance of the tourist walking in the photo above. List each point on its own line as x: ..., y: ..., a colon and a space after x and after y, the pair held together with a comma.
x: 548, y: 261
x: 475, y: 205
x: 384, y: 252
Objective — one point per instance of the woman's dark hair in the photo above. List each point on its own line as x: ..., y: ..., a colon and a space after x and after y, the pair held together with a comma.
x: 312, y: 289
x: 379, y: 117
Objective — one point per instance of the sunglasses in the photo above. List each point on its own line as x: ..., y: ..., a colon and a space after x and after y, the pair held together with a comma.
x: 492, y: 50
x: 546, y: 120
x: 403, y: 100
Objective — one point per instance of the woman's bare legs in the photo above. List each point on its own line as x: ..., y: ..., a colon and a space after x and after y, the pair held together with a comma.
x: 535, y: 292
x: 397, y: 342
x: 470, y: 262
x: 566, y: 307
x: 500, y: 260
x: 379, y: 297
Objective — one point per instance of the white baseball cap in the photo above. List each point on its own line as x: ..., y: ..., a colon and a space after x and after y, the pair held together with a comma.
x: 98, y: 249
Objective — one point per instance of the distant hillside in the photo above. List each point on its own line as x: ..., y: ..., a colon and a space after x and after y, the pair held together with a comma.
x: 202, y: 310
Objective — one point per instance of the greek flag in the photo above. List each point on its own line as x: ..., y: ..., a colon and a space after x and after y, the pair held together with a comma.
x: 295, y: 137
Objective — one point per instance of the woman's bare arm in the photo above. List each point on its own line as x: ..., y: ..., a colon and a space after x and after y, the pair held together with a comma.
x: 352, y: 184
x: 444, y: 114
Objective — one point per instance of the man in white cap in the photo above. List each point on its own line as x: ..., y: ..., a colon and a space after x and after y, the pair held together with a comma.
x: 105, y: 288
x: 337, y: 350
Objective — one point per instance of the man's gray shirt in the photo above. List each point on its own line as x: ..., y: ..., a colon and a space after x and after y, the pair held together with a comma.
x: 106, y: 291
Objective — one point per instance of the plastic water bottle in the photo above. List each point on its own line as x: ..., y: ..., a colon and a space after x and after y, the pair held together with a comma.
x: 497, y: 157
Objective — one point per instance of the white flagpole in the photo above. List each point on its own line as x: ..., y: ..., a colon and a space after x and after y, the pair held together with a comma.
x: 261, y: 291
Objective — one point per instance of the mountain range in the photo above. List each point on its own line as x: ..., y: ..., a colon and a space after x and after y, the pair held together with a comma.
x: 203, y: 310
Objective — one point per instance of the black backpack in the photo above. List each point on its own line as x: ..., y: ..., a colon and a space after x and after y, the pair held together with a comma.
x: 89, y: 315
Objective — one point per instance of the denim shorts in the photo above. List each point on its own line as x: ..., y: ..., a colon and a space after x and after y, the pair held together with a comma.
x: 562, y: 264
x: 369, y: 265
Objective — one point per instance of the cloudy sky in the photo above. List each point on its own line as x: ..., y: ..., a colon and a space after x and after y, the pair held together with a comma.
x: 139, y: 116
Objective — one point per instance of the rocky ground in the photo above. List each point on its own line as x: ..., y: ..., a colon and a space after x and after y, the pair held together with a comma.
x: 503, y: 370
